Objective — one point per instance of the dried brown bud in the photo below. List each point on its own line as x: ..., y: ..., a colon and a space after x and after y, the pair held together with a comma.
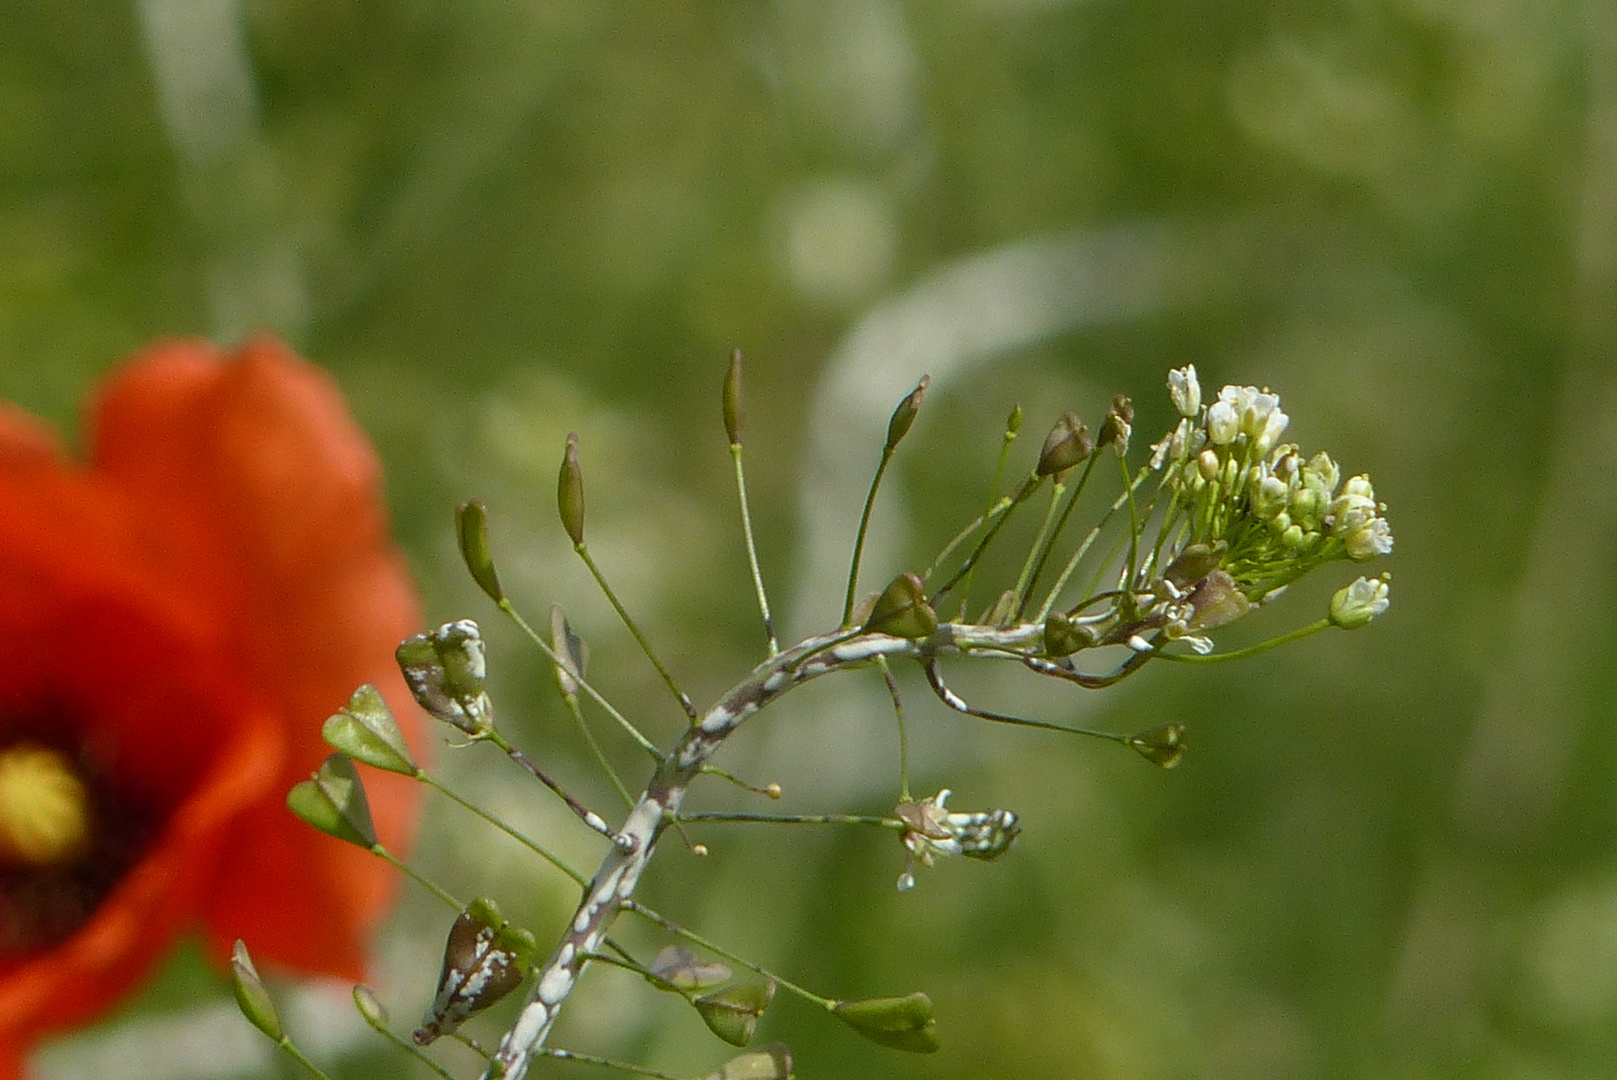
x: 1068, y: 444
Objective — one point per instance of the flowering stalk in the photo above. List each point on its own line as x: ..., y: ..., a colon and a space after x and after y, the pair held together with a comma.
x: 1233, y: 517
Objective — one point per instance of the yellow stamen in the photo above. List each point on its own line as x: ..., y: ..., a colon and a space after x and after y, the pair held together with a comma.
x: 44, y: 807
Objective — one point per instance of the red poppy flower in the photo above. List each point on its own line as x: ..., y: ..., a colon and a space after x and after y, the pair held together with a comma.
x: 178, y: 618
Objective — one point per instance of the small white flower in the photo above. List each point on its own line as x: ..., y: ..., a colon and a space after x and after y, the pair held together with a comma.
x: 1223, y: 422
x: 1185, y: 390
x: 1370, y: 540
x: 1358, y: 603
x: 1273, y: 426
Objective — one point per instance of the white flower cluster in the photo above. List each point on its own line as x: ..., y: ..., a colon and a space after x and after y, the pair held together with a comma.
x: 1233, y: 468
x: 1248, y: 411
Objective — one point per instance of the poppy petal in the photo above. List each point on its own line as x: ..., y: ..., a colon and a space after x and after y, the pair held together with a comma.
x: 256, y: 461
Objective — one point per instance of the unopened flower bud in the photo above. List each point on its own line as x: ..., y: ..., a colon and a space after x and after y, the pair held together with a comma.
x: 1354, y: 605
x: 251, y: 997
x: 734, y: 414
x: 1185, y: 390
x: 1068, y: 444
x: 1013, y: 422
x: 1118, y: 425
x: 471, y: 532
x: 899, y: 424
x: 570, y: 492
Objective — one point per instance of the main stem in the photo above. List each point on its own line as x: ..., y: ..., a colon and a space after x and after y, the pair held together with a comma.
x: 614, y: 882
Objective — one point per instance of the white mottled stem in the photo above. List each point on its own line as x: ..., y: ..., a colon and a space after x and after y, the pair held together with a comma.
x: 619, y: 873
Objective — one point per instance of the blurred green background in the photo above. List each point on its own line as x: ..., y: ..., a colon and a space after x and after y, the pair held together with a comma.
x: 1387, y: 855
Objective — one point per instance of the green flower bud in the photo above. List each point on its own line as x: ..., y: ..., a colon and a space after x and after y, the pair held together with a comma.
x: 1013, y: 422
x: 735, y: 415
x: 903, y: 416
x: 732, y: 1013
x: 366, y: 731
x: 902, y: 611
x: 1162, y: 746
x: 1068, y: 444
x: 471, y: 531
x: 901, y: 1023
x: 570, y: 492
x: 251, y: 997
x: 333, y: 801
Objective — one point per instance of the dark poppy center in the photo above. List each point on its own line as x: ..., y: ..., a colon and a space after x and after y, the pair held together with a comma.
x: 67, y: 836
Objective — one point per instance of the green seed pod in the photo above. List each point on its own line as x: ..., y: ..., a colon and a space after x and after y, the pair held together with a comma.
x: 570, y: 492
x: 677, y: 968
x: 732, y: 1013
x: 1063, y: 637
x: 366, y: 731
x: 901, y: 1023
x: 771, y: 1061
x: 902, y: 610
x: 333, y: 801
x: 1162, y: 746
